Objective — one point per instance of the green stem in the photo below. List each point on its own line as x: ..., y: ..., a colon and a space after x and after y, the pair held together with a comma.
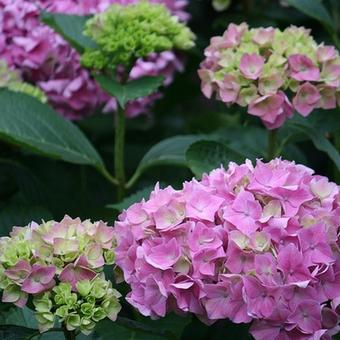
x: 108, y: 176
x: 69, y: 335
x: 132, y: 180
x: 119, y: 152
x: 272, y: 136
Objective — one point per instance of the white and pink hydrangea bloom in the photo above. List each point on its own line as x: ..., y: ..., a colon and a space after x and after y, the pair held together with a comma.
x: 35, y: 257
x: 271, y: 72
x: 249, y: 243
x: 46, y: 60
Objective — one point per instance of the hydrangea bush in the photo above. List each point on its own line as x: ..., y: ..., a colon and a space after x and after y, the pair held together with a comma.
x: 250, y: 249
x: 271, y: 72
x: 47, y: 60
x: 60, y: 266
x: 248, y: 243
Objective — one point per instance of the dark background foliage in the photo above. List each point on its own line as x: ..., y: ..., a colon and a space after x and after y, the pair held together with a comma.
x: 34, y: 187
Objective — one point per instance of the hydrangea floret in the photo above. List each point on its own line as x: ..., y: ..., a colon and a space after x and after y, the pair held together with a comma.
x: 11, y: 80
x: 46, y: 60
x: 271, y: 72
x: 249, y: 243
x: 124, y: 34
x: 60, y: 265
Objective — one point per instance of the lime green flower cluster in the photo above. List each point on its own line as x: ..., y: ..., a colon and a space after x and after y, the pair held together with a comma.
x: 126, y: 33
x: 60, y: 265
x: 94, y: 300
x: 10, y: 79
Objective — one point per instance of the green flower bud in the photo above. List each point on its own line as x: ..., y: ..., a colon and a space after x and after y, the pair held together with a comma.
x: 4, y: 281
x: 99, y: 288
x: 87, y: 326
x: 45, y: 321
x: 98, y: 314
x: 91, y: 299
x: 221, y: 5
x: 84, y: 287
x: 62, y: 311
x: 109, y: 257
x: 87, y: 309
x: 42, y: 303
x: 58, y: 263
x: 112, y: 307
x: 72, y: 322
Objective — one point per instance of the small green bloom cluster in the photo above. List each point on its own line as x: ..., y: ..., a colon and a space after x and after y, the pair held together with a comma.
x: 221, y: 5
x: 95, y: 300
x: 60, y: 265
x: 11, y: 79
x: 126, y: 33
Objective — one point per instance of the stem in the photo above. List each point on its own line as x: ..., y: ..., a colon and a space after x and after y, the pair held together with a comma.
x: 119, y: 152
x: 272, y: 136
x: 69, y: 335
x: 108, y: 176
x: 132, y: 180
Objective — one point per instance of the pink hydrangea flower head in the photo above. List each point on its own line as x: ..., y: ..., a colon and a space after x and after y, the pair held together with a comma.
x: 238, y: 247
x: 272, y: 72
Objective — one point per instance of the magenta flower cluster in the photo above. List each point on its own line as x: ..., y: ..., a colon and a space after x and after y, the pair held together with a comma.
x: 271, y: 72
x: 250, y: 243
x: 46, y: 60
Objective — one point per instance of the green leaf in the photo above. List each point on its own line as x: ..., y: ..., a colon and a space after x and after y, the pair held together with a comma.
x: 204, y: 156
x: 170, y: 151
x: 136, y: 197
x: 318, y: 138
x: 22, y: 317
x: 28, y: 184
x: 314, y: 9
x: 18, y: 215
x: 126, y: 329
x: 134, y: 89
x: 172, y: 323
x: 11, y: 332
x: 26, y: 122
x: 143, y: 87
x: 17, y: 324
x: 70, y: 27
x: 249, y: 141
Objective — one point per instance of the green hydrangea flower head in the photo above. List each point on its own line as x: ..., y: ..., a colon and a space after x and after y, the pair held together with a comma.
x: 126, y: 33
x: 59, y: 266
x: 11, y: 80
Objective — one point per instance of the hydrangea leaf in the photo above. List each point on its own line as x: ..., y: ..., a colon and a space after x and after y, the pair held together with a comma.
x: 15, y: 214
x: 204, y: 156
x: 135, y: 197
x: 134, y: 89
x: 170, y: 151
x: 70, y: 27
x: 314, y: 9
x: 26, y: 122
x: 318, y: 138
